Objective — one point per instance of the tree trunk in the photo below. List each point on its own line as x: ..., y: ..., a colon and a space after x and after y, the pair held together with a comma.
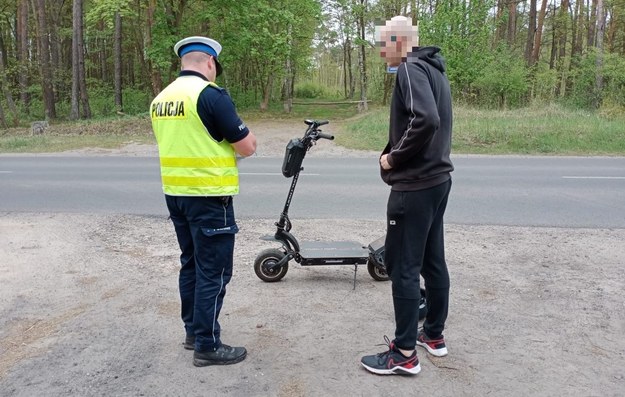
x: 82, y: 80
x: 563, y: 28
x: 499, y: 26
x: 531, y: 32
x: 388, y: 85
x: 3, y: 121
x: 6, y: 88
x: 599, y: 61
x: 155, y: 75
x: 363, y: 106
x: 175, y: 11
x: 74, y: 113
x: 350, y: 73
x: 287, y: 94
x: 80, y: 99
x: 102, y: 53
x: 592, y: 20
x: 615, y: 20
x: 44, y: 62
x: 264, y: 105
x: 511, y: 36
x: 554, y: 47
x: 539, y: 33
x: 576, y: 47
x: 22, y: 52
x: 345, y: 70
x: 54, y: 22
x: 117, y: 55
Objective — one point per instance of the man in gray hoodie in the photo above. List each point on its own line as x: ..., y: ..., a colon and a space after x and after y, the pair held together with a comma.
x: 416, y: 164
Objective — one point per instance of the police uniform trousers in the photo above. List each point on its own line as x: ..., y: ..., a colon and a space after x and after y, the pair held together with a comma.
x: 415, y: 246
x: 205, y: 228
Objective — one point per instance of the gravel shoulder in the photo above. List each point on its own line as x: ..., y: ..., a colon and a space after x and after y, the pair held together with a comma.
x: 89, y: 306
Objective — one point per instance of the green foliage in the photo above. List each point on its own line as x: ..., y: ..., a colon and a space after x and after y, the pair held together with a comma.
x: 463, y: 34
x: 101, y: 100
x: 244, y: 99
x: 614, y: 80
x: 104, y: 10
x: 310, y: 90
x: 161, y: 53
x: 135, y: 101
x: 503, y: 81
x: 267, y: 41
x: 35, y: 110
x: 583, y: 83
x: 543, y: 83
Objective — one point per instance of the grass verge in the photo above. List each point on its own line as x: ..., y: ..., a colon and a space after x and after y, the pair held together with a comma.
x: 546, y: 130
x: 549, y: 130
x: 106, y: 134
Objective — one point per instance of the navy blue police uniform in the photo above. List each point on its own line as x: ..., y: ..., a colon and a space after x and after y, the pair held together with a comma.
x: 203, y: 238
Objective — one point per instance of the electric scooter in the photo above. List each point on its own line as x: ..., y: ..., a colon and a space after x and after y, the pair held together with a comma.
x: 272, y: 264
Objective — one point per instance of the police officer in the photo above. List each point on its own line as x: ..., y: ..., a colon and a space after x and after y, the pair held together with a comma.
x: 199, y: 134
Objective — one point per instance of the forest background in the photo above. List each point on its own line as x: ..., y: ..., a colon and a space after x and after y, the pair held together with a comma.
x: 83, y: 59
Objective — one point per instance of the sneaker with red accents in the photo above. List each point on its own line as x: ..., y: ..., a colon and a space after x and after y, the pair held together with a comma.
x: 435, y: 347
x: 392, y: 362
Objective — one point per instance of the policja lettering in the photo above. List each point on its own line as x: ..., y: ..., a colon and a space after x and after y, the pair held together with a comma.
x: 168, y: 109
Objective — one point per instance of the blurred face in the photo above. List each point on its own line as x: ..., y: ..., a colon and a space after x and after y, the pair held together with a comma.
x: 395, y: 39
x: 391, y: 49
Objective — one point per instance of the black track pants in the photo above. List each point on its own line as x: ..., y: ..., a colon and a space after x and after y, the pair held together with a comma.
x: 415, y: 246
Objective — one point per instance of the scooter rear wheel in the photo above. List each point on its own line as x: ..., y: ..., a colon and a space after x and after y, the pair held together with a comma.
x: 264, y: 265
x: 376, y: 271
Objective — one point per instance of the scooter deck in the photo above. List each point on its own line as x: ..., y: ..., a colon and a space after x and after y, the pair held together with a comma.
x: 333, y: 253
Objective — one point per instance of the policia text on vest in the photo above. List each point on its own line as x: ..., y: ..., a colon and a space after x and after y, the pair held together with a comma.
x: 168, y: 109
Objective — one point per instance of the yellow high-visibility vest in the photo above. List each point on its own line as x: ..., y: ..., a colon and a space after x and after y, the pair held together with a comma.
x: 192, y: 162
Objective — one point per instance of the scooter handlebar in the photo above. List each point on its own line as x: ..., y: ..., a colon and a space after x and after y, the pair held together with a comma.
x: 325, y: 136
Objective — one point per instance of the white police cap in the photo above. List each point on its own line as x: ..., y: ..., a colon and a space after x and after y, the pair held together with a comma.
x: 202, y: 44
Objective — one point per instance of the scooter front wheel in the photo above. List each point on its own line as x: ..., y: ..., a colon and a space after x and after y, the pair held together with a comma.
x: 265, y: 265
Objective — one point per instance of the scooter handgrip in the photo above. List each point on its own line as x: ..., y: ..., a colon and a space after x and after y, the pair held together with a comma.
x: 325, y: 136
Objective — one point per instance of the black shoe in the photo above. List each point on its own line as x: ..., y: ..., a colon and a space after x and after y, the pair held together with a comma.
x: 224, y: 355
x: 435, y: 347
x: 189, y: 343
x: 392, y: 362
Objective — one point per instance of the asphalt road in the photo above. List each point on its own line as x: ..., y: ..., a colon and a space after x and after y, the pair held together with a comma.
x: 494, y: 190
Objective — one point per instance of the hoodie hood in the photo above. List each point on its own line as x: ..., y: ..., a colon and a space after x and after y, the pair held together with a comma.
x: 427, y: 54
